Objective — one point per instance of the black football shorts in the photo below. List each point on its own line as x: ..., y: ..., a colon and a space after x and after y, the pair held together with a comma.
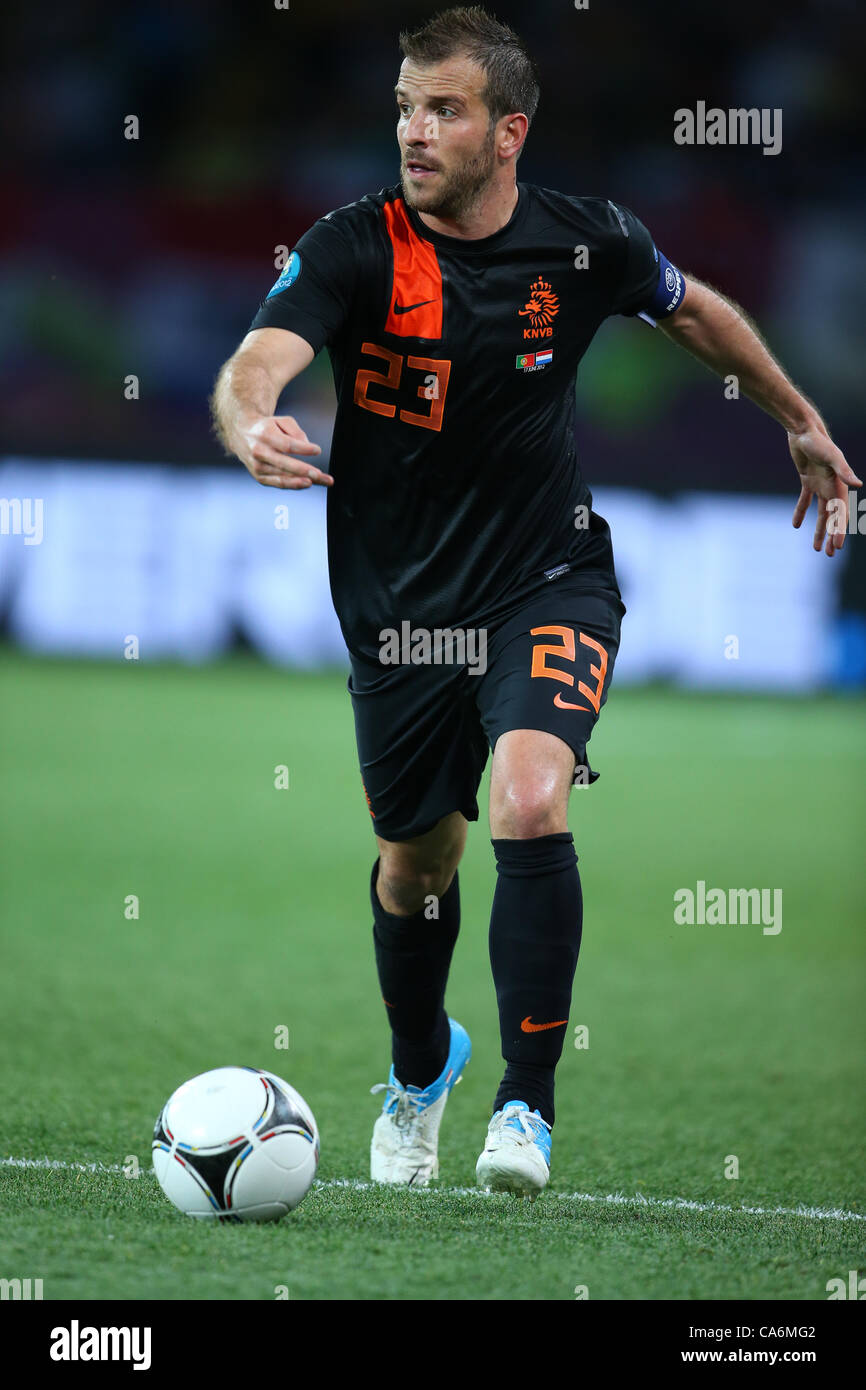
x: 424, y: 730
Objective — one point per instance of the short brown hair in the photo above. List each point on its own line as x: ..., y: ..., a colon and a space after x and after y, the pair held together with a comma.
x: 512, y: 81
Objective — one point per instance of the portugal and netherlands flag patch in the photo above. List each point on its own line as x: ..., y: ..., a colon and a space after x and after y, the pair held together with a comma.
x: 528, y: 361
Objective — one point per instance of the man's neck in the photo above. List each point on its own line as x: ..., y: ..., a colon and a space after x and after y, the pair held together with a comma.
x: 483, y: 220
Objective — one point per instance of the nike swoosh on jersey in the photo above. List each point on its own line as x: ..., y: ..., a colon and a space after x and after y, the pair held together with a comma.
x: 566, y: 704
x: 527, y: 1026
x: 404, y: 308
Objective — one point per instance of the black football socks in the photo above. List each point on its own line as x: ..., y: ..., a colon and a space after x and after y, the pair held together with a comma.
x: 535, y: 930
x: 413, y: 956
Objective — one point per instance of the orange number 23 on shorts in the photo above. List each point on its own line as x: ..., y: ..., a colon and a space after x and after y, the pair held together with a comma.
x: 566, y: 649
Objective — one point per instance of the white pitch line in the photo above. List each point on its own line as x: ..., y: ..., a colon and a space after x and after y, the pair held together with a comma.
x: 61, y: 1163
x: 619, y: 1199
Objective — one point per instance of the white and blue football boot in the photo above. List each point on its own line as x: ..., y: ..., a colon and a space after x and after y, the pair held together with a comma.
x: 405, y: 1147
x: 516, y: 1156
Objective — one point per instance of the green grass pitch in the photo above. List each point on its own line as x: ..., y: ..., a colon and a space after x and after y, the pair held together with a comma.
x: 705, y: 1042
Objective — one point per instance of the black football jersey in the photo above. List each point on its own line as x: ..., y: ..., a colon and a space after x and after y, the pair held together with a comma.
x: 457, y: 493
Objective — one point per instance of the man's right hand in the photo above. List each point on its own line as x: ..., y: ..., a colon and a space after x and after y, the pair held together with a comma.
x: 276, y: 451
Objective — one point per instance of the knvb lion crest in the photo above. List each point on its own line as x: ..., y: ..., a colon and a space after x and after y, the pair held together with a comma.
x: 541, y: 309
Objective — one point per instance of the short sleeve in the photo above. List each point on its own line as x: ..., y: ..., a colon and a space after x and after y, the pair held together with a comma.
x: 314, y: 292
x: 649, y: 284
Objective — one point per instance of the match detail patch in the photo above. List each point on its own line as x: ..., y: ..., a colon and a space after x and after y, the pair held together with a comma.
x: 531, y: 361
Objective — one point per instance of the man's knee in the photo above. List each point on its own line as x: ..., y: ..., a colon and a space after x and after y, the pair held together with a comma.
x: 406, y: 889
x: 526, y: 808
x: 413, y: 872
x: 530, y: 785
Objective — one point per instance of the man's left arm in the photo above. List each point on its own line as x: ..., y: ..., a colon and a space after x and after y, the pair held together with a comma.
x: 722, y: 336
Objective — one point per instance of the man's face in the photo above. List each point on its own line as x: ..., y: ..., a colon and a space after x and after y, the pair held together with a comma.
x: 447, y: 142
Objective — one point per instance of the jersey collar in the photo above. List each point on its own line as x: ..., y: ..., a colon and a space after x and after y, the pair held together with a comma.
x: 470, y: 245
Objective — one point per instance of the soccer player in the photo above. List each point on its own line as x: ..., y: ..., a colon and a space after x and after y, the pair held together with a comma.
x: 474, y: 583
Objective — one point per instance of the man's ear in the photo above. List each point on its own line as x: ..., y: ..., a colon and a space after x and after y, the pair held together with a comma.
x: 512, y: 137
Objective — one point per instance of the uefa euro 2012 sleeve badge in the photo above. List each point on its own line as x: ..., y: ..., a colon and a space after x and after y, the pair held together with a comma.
x: 288, y: 275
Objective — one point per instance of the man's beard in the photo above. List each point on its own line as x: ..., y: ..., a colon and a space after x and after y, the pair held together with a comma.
x: 459, y: 188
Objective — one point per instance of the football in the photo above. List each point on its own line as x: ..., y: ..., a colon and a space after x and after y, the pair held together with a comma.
x: 236, y: 1144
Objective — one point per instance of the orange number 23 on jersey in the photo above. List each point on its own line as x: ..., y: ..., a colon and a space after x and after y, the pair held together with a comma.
x: 433, y: 388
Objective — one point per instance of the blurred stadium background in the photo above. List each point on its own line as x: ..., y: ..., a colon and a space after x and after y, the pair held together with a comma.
x: 148, y: 257
x: 744, y: 764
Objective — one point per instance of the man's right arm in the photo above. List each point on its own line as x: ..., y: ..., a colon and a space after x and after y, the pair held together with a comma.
x: 274, y: 448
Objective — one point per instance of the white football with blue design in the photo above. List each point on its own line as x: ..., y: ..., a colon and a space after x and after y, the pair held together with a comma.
x: 236, y: 1144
